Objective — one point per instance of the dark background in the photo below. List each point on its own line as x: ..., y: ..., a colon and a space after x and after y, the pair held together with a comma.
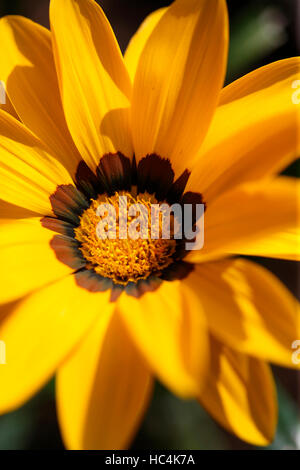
x: 262, y: 31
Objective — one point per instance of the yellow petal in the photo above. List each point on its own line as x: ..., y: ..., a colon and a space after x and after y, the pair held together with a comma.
x: 282, y: 245
x: 245, y: 218
x: 139, y: 40
x: 178, y: 80
x: 39, y: 332
x: 28, y: 174
x: 247, y: 308
x: 27, y: 67
x: 171, y: 333
x: 102, y: 390
x: 27, y: 259
x: 10, y: 211
x: 254, y: 133
x: 240, y: 394
x: 95, y: 85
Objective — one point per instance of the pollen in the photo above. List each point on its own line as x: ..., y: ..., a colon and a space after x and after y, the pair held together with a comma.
x: 121, y: 257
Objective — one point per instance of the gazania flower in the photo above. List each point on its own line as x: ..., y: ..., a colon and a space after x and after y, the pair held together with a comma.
x: 84, y: 124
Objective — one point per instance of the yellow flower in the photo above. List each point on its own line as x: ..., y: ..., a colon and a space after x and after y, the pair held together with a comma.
x: 83, y: 123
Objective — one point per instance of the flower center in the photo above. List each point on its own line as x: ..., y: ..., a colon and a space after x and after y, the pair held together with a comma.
x: 120, y: 256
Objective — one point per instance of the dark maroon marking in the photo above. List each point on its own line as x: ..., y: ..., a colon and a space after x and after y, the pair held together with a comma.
x: 116, y: 291
x: 192, y: 198
x: 133, y: 172
x: 176, y: 191
x: 88, y: 279
x: 87, y: 182
x: 67, y: 251
x: 68, y: 203
x: 58, y: 226
x: 155, y: 176
x: 180, y: 251
x: 177, y: 271
x: 141, y: 287
x: 114, y: 173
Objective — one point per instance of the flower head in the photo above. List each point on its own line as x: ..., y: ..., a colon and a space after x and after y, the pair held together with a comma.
x: 84, y: 126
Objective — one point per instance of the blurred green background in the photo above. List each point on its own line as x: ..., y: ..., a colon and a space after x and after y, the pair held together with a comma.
x: 262, y: 31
